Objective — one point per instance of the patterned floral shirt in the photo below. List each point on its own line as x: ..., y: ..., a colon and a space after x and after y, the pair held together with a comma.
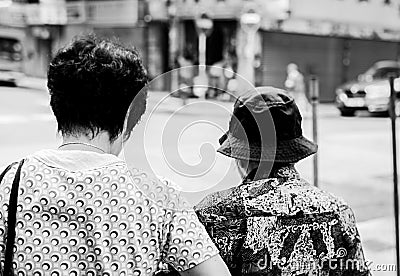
x: 83, y: 213
x: 283, y: 226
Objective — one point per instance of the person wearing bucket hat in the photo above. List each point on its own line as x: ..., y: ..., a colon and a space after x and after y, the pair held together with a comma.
x: 274, y: 222
x: 255, y: 117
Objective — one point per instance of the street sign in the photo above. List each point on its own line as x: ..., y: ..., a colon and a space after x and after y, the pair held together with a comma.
x: 204, y: 23
x: 250, y: 21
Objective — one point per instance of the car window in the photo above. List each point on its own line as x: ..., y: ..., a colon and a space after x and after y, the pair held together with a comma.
x: 383, y: 73
x: 10, y: 49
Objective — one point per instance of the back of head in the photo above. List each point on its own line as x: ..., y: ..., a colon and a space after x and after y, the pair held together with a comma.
x: 292, y: 67
x: 266, y: 126
x: 92, y: 83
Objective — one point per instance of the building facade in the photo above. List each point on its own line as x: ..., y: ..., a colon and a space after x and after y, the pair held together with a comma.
x: 44, y: 26
x: 333, y: 39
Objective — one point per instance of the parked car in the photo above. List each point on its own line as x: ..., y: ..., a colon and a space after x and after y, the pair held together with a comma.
x: 10, y: 60
x: 370, y: 91
x: 378, y: 94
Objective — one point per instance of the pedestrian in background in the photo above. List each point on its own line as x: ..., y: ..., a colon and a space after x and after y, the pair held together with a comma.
x: 186, y: 74
x: 274, y: 222
x: 296, y: 88
x: 79, y: 209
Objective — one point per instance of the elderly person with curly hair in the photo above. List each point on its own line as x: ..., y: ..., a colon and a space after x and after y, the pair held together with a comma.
x: 78, y: 209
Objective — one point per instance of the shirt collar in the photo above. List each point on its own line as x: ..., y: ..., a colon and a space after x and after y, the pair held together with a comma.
x: 287, y: 172
x: 75, y: 160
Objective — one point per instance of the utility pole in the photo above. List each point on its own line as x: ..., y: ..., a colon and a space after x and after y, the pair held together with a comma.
x: 393, y: 117
x: 314, y: 94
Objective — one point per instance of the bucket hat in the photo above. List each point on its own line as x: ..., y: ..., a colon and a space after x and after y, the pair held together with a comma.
x: 266, y: 126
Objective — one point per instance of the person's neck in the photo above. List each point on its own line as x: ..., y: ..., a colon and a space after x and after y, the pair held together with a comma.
x: 100, y: 143
x: 257, y: 173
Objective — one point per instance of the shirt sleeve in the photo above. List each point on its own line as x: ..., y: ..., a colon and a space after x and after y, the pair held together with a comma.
x: 188, y: 243
x: 353, y: 250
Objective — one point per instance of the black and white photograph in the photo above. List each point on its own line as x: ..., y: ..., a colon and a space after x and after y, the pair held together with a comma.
x: 199, y: 137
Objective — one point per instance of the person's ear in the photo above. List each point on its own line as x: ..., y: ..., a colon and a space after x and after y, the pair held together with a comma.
x: 241, y: 169
x: 134, y: 113
x: 126, y: 135
x: 117, y: 145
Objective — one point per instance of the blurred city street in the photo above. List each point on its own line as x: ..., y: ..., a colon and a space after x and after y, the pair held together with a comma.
x: 339, y: 53
x: 354, y: 153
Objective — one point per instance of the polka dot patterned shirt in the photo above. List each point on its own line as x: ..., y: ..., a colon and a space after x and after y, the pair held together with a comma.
x: 84, y: 213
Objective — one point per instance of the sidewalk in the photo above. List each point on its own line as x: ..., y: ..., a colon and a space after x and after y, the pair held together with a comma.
x: 33, y: 83
x: 377, y: 234
x: 155, y: 97
x: 166, y: 102
x: 378, y: 240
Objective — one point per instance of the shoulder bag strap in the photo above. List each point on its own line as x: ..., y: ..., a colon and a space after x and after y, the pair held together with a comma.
x: 11, y: 221
x: 6, y: 171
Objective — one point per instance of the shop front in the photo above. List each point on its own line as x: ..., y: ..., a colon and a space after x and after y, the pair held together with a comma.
x: 333, y: 59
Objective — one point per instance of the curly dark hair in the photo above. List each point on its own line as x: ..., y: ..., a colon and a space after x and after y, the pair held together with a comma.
x: 92, y: 83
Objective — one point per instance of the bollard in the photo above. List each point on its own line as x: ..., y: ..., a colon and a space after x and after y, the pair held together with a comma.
x: 392, y: 113
x: 314, y: 96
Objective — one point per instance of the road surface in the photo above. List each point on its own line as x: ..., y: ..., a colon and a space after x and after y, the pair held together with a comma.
x: 179, y: 143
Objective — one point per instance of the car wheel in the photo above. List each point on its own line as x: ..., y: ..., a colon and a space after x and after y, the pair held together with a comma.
x: 347, y: 112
